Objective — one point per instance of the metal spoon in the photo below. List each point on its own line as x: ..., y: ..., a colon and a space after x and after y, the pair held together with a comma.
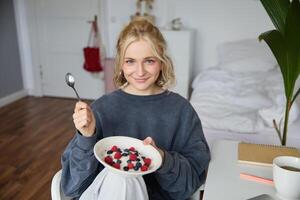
x: 70, y: 80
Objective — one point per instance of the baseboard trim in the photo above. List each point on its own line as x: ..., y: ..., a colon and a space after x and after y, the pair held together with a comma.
x: 13, y: 97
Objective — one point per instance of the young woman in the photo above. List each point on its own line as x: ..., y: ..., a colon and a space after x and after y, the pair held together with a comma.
x: 143, y: 108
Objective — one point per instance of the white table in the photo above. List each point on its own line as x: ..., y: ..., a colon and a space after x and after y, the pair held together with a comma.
x: 223, y: 178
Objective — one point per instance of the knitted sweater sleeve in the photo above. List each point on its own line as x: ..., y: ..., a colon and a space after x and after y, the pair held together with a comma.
x: 184, y: 169
x: 79, y: 165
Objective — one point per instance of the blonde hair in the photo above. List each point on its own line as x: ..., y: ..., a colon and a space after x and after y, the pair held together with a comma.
x: 142, y: 29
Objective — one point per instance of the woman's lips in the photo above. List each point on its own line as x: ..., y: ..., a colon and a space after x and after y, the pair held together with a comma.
x: 140, y: 80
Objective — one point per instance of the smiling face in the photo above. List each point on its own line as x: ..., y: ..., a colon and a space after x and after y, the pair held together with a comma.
x: 141, y: 69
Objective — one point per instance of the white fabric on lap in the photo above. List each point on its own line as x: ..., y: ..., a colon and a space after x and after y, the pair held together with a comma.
x: 108, y: 185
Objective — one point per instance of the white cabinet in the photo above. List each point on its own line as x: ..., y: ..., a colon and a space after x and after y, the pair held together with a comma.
x: 180, y: 49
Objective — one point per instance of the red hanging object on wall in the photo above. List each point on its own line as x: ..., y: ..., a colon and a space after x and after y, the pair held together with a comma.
x: 92, y: 61
x: 92, y: 58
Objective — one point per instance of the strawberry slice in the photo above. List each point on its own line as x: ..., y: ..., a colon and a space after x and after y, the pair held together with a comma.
x: 147, y: 161
x: 132, y: 157
x: 130, y: 165
x: 114, y: 148
x: 108, y: 160
x: 131, y: 149
x: 144, y: 168
x: 116, y: 165
x: 117, y: 155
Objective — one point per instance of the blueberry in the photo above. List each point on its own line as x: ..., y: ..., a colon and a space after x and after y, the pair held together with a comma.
x: 119, y: 161
x: 125, y: 168
x: 124, y: 154
x: 136, y: 168
x: 138, y: 159
x: 129, y: 161
x: 109, y: 152
x: 126, y: 150
x: 136, y: 153
x: 138, y: 164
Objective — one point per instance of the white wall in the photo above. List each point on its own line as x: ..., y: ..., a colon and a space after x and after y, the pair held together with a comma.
x: 216, y: 21
x: 24, y: 45
x: 29, y: 55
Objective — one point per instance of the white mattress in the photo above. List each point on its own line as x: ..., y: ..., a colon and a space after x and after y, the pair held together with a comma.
x: 264, y: 137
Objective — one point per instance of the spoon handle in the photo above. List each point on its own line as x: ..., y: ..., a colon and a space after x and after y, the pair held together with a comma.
x: 76, y: 94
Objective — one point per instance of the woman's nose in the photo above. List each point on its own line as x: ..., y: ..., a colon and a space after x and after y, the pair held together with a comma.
x: 140, y: 70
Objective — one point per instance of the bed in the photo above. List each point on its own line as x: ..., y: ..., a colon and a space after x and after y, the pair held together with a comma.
x: 239, y: 97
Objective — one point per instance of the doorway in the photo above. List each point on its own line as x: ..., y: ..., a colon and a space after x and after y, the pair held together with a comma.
x: 62, y: 32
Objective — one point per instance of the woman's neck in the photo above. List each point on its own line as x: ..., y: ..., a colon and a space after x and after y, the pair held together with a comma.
x: 154, y: 90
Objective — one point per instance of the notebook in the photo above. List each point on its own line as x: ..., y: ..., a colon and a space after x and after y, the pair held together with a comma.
x: 263, y: 154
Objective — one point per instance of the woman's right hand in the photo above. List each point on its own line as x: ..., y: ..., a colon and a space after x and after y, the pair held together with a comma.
x: 84, y: 119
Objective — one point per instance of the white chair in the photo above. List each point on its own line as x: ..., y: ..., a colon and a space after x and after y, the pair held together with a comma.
x: 196, y: 195
x: 57, y: 194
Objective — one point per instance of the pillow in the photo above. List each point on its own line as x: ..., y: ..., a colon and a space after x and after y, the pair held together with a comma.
x: 248, y: 65
x: 243, y: 49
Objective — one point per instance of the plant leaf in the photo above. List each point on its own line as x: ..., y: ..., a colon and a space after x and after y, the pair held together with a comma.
x: 277, y: 11
x: 292, y: 30
x: 276, y: 42
x: 295, y: 96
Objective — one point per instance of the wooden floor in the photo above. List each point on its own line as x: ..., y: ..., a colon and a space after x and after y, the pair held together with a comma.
x: 33, y: 134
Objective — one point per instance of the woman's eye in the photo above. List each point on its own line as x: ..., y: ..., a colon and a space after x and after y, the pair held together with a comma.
x: 150, y: 61
x: 129, y: 61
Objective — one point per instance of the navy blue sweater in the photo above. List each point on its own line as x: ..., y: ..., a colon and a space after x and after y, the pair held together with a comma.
x: 168, y: 118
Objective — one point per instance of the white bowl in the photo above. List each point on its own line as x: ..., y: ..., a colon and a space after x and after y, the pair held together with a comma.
x: 287, y: 182
x: 123, y: 142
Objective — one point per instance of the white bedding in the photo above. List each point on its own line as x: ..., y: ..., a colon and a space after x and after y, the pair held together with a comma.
x: 232, y: 97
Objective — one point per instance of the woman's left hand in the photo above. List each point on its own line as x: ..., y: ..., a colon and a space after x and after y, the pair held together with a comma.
x: 150, y: 141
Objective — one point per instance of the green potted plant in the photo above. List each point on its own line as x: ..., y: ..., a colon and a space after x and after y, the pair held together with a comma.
x: 284, y: 42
